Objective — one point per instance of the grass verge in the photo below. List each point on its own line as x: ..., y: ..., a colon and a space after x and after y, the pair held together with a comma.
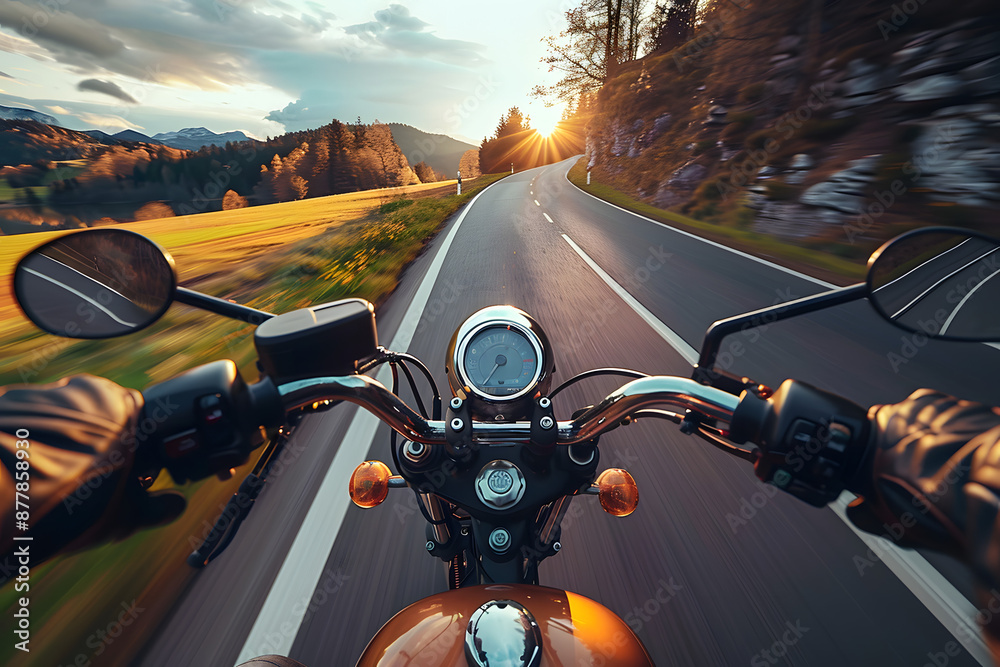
x: 805, y: 260
x: 74, y: 599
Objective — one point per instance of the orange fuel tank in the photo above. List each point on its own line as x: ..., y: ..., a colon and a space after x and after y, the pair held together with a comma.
x: 570, y: 629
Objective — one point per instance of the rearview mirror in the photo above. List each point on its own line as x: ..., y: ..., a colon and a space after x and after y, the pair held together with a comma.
x: 940, y: 282
x: 97, y: 283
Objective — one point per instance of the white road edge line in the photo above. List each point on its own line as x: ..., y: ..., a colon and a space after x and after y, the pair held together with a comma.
x: 759, y: 260
x: 803, y: 276
x: 93, y: 280
x: 293, y: 588
x: 934, y: 286
x: 82, y: 296
x: 951, y: 318
x: 922, y: 264
x: 548, y: 218
x: 937, y: 594
x: 689, y: 353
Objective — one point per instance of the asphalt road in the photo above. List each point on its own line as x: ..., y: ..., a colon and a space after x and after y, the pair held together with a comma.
x: 744, y: 565
x: 67, y: 300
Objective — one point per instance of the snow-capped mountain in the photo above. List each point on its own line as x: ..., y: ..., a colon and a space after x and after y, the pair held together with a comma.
x: 193, y: 138
x: 13, y: 113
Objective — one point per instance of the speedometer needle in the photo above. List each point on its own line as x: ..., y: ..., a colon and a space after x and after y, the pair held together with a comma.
x: 501, y: 361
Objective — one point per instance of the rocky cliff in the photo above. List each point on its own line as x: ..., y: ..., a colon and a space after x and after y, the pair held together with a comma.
x: 834, y: 123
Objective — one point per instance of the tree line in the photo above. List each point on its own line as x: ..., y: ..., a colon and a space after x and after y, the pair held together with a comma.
x: 516, y: 144
x: 335, y: 158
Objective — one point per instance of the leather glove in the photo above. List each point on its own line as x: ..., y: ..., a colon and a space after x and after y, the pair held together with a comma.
x: 81, y: 450
x: 934, y: 483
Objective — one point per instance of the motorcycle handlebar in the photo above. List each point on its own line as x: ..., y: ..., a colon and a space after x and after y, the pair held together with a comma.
x: 655, y: 391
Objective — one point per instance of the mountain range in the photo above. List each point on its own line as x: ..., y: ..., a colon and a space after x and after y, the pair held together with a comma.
x: 439, y: 151
x: 193, y: 138
x: 13, y: 113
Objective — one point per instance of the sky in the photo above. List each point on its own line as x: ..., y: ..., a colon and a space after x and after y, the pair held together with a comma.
x: 270, y: 66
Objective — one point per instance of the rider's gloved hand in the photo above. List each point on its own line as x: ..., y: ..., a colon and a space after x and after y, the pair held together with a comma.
x: 81, y: 450
x: 933, y: 481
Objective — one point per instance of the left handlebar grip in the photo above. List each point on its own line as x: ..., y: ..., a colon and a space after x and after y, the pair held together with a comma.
x: 200, y: 422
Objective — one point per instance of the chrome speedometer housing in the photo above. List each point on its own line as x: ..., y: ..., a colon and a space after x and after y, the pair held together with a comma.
x: 518, y: 337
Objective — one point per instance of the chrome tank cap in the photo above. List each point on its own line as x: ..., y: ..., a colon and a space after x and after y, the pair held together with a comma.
x: 503, y: 632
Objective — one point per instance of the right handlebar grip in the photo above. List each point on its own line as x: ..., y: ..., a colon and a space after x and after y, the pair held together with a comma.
x: 812, y: 442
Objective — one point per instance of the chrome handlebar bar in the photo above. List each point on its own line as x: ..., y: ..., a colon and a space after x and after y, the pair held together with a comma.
x: 653, y: 391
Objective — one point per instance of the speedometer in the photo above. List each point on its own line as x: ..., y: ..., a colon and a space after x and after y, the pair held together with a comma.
x: 500, y: 361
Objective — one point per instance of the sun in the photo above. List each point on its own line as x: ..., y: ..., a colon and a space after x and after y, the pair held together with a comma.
x: 545, y: 121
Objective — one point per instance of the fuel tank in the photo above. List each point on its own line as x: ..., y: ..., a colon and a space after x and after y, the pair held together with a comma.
x: 505, y: 624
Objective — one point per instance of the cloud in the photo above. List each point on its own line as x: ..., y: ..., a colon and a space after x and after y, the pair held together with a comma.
x: 5, y: 75
x: 107, y: 88
x: 62, y: 111
x: 60, y: 30
x: 396, y: 30
x: 108, y: 123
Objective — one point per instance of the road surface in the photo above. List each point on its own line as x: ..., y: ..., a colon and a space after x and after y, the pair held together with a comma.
x: 744, y: 566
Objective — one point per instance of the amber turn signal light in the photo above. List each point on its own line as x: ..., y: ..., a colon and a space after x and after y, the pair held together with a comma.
x: 618, y: 493
x: 370, y: 483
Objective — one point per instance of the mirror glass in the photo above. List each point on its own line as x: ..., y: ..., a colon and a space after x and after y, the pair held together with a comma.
x: 943, y: 283
x: 97, y: 283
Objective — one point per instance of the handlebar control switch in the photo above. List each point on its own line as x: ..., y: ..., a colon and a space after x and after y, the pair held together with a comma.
x: 201, y: 422
x: 811, y: 441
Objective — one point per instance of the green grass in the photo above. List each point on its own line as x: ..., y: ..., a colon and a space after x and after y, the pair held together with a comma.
x: 811, y: 261
x: 72, y: 596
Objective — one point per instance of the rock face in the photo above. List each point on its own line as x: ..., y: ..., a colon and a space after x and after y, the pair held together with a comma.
x: 937, y: 97
x: 675, y: 190
x: 955, y: 161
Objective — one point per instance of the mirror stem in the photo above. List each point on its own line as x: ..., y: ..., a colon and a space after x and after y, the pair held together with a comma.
x: 220, y: 306
x: 703, y: 371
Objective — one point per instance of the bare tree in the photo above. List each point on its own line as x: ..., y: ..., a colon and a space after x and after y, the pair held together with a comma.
x: 599, y: 35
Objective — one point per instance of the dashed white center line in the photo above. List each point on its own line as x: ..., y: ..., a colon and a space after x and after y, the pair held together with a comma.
x: 536, y: 203
x: 548, y: 218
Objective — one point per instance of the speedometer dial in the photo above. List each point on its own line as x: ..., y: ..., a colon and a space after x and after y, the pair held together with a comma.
x: 501, y: 361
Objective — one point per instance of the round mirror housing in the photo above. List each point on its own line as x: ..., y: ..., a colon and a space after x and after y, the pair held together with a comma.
x: 98, y: 283
x: 940, y: 282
